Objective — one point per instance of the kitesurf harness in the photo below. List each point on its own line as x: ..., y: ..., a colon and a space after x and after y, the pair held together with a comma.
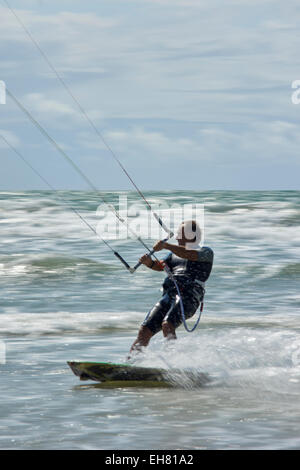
x: 179, y: 299
x: 53, y: 142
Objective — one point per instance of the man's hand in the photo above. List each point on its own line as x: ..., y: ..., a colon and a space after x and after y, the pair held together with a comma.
x: 150, y: 263
x: 146, y: 260
x: 159, y: 246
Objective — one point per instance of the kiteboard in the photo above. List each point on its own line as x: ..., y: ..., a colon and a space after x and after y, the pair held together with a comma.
x: 129, y: 375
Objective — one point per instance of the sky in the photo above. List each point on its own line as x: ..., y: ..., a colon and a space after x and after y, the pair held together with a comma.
x: 189, y: 94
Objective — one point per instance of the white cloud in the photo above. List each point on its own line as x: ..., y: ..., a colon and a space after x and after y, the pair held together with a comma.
x: 62, y: 22
x: 10, y: 137
x: 144, y: 144
x: 272, y: 142
x: 40, y: 103
x: 71, y: 39
x: 138, y: 70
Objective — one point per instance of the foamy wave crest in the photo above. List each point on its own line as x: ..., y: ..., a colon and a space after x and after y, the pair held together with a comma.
x: 60, y: 323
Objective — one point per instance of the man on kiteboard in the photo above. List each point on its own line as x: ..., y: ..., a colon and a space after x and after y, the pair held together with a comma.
x: 189, y: 266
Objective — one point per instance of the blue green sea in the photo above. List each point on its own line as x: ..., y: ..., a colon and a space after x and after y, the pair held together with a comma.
x: 64, y: 296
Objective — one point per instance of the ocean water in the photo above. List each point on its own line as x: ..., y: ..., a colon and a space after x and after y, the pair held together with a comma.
x: 64, y: 296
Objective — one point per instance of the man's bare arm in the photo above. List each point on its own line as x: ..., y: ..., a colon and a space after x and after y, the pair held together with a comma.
x: 178, y: 250
x: 150, y: 263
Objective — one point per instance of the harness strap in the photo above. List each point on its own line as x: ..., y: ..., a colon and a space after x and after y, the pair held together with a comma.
x: 170, y: 275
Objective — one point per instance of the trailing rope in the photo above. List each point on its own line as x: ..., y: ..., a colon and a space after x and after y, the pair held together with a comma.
x: 88, y: 181
x: 86, y: 116
x: 77, y: 169
x: 64, y: 201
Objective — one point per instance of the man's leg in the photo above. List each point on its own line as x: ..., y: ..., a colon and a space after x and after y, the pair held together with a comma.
x: 143, y: 338
x: 152, y: 323
x: 173, y: 319
x: 168, y: 330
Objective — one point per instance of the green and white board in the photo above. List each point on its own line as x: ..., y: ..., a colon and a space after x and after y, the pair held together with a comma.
x: 129, y: 375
